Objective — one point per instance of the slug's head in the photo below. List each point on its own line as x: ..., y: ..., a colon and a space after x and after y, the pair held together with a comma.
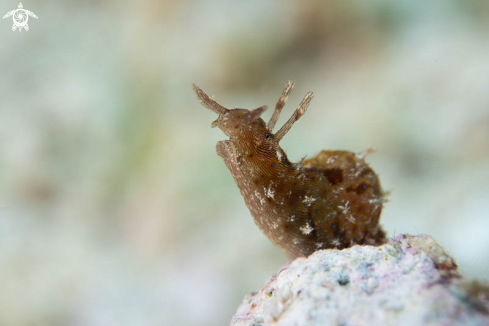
x: 232, y: 122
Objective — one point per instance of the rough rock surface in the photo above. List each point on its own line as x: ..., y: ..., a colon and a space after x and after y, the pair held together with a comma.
x: 408, y: 281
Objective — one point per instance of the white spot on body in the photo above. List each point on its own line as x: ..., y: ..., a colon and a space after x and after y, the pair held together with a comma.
x: 350, y: 218
x: 279, y: 155
x: 308, y: 200
x: 336, y: 242
x: 270, y: 193
x: 295, y: 241
x: 260, y: 198
x: 306, y: 229
x: 333, y: 214
x: 360, y: 168
x: 345, y: 209
x: 338, y: 190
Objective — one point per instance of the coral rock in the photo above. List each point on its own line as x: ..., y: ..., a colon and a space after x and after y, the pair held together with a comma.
x: 408, y: 281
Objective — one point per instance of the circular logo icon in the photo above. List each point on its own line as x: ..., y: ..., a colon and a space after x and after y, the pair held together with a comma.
x: 20, y: 17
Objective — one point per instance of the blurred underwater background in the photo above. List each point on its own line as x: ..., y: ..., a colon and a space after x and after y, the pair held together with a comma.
x: 114, y: 206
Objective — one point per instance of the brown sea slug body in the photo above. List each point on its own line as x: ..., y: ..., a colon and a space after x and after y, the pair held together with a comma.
x: 333, y: 200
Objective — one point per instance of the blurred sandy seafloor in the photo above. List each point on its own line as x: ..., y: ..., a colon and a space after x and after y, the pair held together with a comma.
x: 115, y: 208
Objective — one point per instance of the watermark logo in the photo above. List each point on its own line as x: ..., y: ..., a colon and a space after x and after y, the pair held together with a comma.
x: 20, y: 17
